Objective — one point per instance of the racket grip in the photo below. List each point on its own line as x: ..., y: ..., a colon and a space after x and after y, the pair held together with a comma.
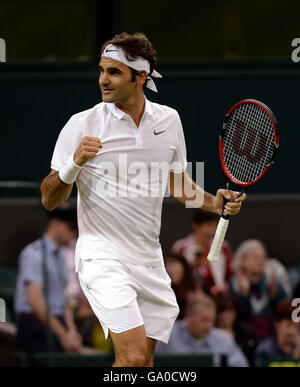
x: 216, y: 245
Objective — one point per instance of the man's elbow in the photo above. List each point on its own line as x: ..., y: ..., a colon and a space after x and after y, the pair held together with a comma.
x: 46, y: 204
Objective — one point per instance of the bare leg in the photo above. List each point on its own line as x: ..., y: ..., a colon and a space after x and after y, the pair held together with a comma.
x: 150, y: 352
x: 130, y: 347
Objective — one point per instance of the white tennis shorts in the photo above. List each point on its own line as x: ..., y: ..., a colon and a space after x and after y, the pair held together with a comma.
x: 125, y: 296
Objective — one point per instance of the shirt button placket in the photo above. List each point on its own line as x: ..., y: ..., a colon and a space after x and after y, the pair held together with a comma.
x: 138, y: 138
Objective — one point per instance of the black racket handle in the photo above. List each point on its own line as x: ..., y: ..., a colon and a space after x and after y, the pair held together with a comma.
x: 225, y: 201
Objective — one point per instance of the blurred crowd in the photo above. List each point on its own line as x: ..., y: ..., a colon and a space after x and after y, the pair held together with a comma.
x: 240, y: 306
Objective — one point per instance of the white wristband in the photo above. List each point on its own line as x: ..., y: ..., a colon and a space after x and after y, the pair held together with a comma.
x: 69, y: 171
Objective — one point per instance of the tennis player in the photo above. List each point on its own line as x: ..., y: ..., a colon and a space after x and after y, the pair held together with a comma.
x: 105, y: 149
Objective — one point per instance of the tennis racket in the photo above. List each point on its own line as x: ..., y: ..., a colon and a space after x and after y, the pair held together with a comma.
x: 248, y: 146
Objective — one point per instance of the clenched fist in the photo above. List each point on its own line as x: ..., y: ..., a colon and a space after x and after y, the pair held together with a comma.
x: 87, y: 149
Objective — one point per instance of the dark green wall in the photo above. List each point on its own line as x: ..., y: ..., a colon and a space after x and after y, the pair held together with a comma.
x: 34, y: 106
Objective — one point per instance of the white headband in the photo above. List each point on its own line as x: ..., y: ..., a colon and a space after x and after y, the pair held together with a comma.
x: 139, y: 64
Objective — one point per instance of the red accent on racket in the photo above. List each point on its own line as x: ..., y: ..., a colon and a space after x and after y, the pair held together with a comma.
x: 248, y: 147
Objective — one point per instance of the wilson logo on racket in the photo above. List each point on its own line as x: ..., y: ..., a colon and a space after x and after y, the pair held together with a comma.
x: 253, y: 148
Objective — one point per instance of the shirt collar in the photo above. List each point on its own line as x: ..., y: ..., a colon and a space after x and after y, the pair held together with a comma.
x: 115, y: 110
x: 148, y: 107
x: 120, y: 114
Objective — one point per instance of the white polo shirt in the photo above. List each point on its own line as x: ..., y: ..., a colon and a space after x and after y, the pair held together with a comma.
x: 116, y: 217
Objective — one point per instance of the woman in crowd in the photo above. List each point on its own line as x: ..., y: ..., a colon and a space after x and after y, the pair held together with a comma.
x: 213, y: 276
x: 183, y: 281
x: 256, y: 294
x: 228, y: 320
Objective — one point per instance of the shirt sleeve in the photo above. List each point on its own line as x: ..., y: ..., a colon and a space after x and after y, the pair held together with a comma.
x: 31, y: 266
x: 236, y: 358
x: 179, y: 163
x: 66, y: 144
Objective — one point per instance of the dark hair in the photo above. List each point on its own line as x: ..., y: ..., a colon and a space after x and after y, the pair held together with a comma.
x: 284, y: 310
x: 188, y: 280
x: 225, y: 301
x: 203, y: 300
x: 65, y: 213
x: 134, y: 45
x: 200, y: 216
x: 187, y: 284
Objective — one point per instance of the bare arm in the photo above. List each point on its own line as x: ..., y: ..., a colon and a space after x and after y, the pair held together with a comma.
x: 181, y: 187
x: 184, y: 189
x: 68, y: 337
x: 69, y: 318
x: 36, y: 301
x: 54, y: 191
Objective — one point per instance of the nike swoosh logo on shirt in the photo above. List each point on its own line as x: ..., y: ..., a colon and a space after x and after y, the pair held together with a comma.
x: 110, y: 50
x: 156, y: 133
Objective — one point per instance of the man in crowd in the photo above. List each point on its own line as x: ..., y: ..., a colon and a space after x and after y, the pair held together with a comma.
x: 213, y: 276
x: 196, y: 334
x: 284, y: 344
x: 42, y: 278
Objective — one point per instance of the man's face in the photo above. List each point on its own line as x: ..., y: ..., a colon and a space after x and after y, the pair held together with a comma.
x: 201, y: 321
x: 226, y: 318
x: 287, y: 331
x: 115, y: 81
x: 205, y: 232
x: 65, y: 233
x: 254, y: 261
x: 175, y: 270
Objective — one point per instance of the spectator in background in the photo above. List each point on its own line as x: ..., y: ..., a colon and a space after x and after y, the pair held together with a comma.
x: 196, y: 334
x: 284, y: 344
x: 272, y: 267
x: 72, y: 290
x: 213, y: 276
x: 183, y: 281
x: 256, y: 294
x: 296, y: 292
x: 42, y: 261
x: 89, y: 327
x: 228, y: 320
x: 294, y: 277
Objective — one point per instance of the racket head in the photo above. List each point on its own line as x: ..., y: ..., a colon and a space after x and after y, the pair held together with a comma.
x: 248, y: 142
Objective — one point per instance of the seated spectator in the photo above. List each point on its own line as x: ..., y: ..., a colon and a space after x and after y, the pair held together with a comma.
x: 196, y: 334
x: 275, y: 268
x: 272, y: 267
x: 42, y: 275
x: 296, y: 292
x: 294, y: 276
x: 72, y: 290
x: 256, y: 294
x: 89, y: 327
x: 213, y: 276
x: 284, y: 344
x: 183, y: 281
x: 227, y: 319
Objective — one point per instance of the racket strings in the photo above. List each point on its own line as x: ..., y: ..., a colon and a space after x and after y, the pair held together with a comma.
x: 248, y: 142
